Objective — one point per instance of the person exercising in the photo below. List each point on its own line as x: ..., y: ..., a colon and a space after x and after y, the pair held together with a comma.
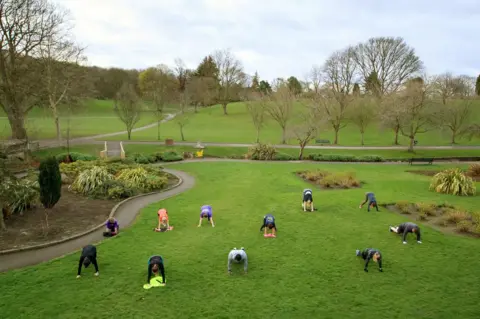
x: 206, y: 212
x: 155, y: 268
x: 368, y: 254
x: 237, y: 256
x: 269, y: 222
x: 406, y: 228
x: 89, y: 255
x: 163, y: 222
x: 372, y: 201
x: 111, y: 226
x: 307, y: 200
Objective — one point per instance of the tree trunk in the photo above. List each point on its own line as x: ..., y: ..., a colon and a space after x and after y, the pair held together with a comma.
x: 158, y: 129
x: 46, y: 218
x: 57, y: 126
x: 195, y: 108
x: 396, y: 130
x: 454, y: 135
x: 302, y: 147
x: 411, y: 144
x: 181, y: 134
x: 129, y: 134
x: 224, y: 105
x: 335, y: 142
x: 17, y: 124
x: 362, y: 142
x: 284, y: 139
x: 258, y: 135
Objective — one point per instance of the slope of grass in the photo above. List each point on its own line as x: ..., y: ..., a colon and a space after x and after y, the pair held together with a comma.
x: 210, y: 125
x: 309, y: 271
x: 214, y: 151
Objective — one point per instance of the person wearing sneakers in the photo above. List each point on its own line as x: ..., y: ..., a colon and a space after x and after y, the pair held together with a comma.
x: 206, y: 212
x: 307, y: 201
x: 406, y: 228
x: 163, y: 221
x: 368, y: 254
x: 372, y: 201
x: 155, y: 268
x: 88, y: 256
x: 269, y: 222
x: 237, y: 256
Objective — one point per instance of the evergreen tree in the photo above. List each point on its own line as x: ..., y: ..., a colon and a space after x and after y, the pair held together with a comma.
x: 294, y: 85
x: 372, y: 84
x: 50, y: 181
x: 477, y: 86
x: 265, y: 87
x: 255, y: 82
x: 356, y: 89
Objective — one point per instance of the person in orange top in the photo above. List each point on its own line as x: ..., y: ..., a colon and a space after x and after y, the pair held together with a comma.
x: 163, y: 220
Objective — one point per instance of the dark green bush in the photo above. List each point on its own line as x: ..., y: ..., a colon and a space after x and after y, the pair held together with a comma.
x: 344, y: 158
x: 371, y: 158
x: 114, y: 189
x: 142, y: 159
x: 171, y: 156
x: 284, y: 157
x: 75, y: 157
x: 50, y: 182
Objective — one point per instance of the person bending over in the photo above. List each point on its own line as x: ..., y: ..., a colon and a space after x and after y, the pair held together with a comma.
x: 111, y: 227
x: 368, y: 254
x: 406, y: 228
x: 163, y: 221
x: 307, y: 201
x: 372, y: 201
x: 237, y: 256
x: 206, y: 212
x: 155, y: 268
x: 269, y: 223
x: 89, y: 255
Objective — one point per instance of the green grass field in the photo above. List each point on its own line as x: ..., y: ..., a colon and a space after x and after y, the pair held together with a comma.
x: 309, y: 271
x: 210, y: 125
x: 214, y: 151
x: 94, y: 117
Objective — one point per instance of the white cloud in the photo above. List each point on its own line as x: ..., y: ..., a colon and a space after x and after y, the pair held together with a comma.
x: 276, y: 38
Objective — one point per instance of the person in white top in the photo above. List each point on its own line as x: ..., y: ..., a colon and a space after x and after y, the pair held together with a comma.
x: 237, y: 256
x: 307, y: 201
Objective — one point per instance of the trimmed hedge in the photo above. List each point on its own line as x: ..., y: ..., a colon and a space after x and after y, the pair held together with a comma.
x: 75, y: 157
x: 345, y: 158
x: 167, y: 156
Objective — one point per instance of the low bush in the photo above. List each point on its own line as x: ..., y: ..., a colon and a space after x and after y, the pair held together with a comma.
x: 133, y: 177
x: 113, y: 189
x: 403, y: 207
x: 171, y: 156
x: 284, y: 157
x: 422, y: 215
x: 345, y: 158
x: 330, y: 180
x: 464, y: 226
x: 23, y: 194
x: 142, y: 159
x: 474, y: 170
x: 73, y: 169
x: 475, y: 218
x: 261, y: 152
x: 87, y: 181
x: 455, y: 216
x: 454, y: 182
x: 427, y: 208
x: 75, y: 157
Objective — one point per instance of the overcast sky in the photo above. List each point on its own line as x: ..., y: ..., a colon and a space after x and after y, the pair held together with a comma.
x: 276, y: 38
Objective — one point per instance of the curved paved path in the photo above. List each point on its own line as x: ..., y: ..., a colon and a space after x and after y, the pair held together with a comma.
x: 125, y: 214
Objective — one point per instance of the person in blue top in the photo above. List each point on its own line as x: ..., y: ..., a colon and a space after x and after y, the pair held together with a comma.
x: 372, y: 201
x: 111, y: 227
x: 307, y: 200
x: 269, y: 222
x: 206, y: 212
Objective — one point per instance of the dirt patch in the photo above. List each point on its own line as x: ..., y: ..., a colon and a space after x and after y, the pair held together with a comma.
x: 73, y: 214
x: 328, y: 180
x: 432, y: 173
x: 444, y: 218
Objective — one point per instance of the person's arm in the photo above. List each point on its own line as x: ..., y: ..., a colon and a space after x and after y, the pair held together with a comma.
x: 80, y: 266
x: 162, y: 272
x: 367, y: 260
x: 275, y: 226
x: 245, y: 263
x: 263, y: 226
x: 380, y: 265
x: 200, y: 222
x: 149, y: 273
x: 366, y: 200
x: 211, y: 221
x: 229, y: 264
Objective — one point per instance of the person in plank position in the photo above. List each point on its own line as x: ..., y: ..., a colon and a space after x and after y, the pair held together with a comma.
x: 163, y: 222
x: 307, y: 201
x: 237, y: 256
x: 155, y: 268
x: 89, y: 255
x: 404, y: 229
x: 269, y: 222
x: 368, y: 254
x: 111, y: 226
x: 372, y: 201
x: 206, y: 212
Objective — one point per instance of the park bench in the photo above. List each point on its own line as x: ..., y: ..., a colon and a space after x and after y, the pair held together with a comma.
x: 420, y: 160
x: 322, y: 141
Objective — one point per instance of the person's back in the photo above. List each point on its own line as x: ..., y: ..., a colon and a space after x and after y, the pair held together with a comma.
x: 88, y: 256
x: 237, y: 256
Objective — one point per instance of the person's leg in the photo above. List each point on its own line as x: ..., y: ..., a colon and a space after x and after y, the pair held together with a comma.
x: 376, y: 206
x: 394, y: 229
x: 311, y: 206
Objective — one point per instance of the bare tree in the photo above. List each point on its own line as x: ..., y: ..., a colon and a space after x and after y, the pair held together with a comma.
x: 362, y: 114
x: 201, y: 91
x: 281, y: 108
x: 60, y: 59
x: 183, y: 117
x: 257, y: 107
x: 454, y: 115
x: 315, y: 77
x: 390, y: 58
x: 310, y: 121
x: 390, y: 114
x: 127, y: 107
x: 417, y: 111
x: 25, y: 26
x: 447, y: 86
x: 230, y: 74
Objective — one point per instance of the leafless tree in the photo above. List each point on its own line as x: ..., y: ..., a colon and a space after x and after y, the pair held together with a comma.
x: 183, y: 117
x: 390, y: 58
x: 281, y: 108
x: 230, y: 74
x: 315, y: 77
x: 257, y: 106
x: 127, y: 107
x: 25, y: 27
x: 202, y: 91
x: 390, y: 114
x: 363, y: 113
x: 455, y: 116
x: 447, y: 86
x: 339, y: 73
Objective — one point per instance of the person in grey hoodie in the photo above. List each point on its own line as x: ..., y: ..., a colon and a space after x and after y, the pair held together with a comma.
x: 369, y: 254
x: 237, y: 256
x: 404, y: 229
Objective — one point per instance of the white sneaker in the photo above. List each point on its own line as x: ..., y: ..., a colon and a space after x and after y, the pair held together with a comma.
x: 404, y: 242
x: 419, y: 242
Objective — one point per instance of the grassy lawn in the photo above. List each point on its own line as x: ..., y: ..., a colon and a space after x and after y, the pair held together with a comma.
x: 95, y: 117
x: 308, y: 271
x: 210, y: 125
x: 214, y: 151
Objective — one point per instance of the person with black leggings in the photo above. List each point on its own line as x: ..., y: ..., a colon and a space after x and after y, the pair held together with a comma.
x: 404, y: 229
x: 269, y: 222
x: 372, y: 201
x: 307, y: 200
x: 155, y: 265
x: 89, y: 255
x: 368, y: 254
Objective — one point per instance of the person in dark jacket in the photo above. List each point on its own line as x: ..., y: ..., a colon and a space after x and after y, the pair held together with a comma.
x: 368, y: 254
x: 89, y: 255
x: 269, y: 222
x: 156, y: 267
x: 372, y: 201
x: 404, y: 229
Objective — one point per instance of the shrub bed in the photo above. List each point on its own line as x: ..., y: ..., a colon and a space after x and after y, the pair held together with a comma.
x: 330, y: 180
x: 444, y: 215
x: 454, y: 182
x: 167, y: 156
